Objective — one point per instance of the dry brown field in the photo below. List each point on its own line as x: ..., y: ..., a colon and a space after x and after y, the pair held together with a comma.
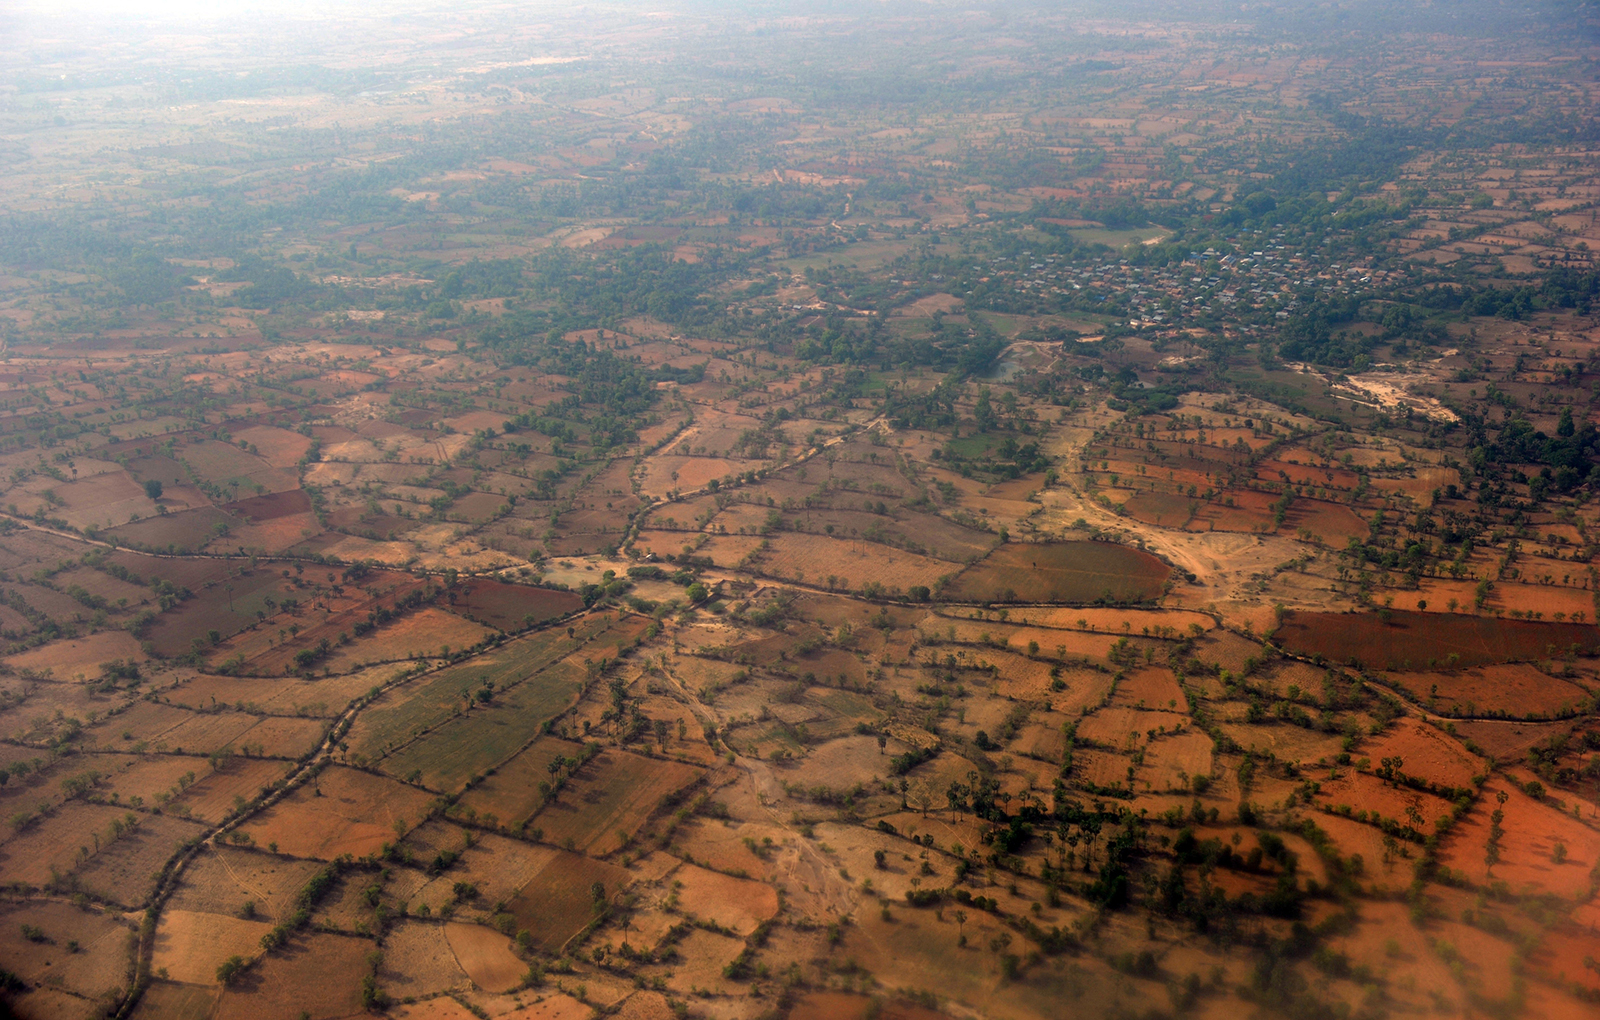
x: 222, y: 878
x: 214, y: 791
x: 511, y: 792
x: 486, y: 957
x: 556, y: 903
x: 606, y: 801
x: 510, y: 607
x: 417, y: 962
x: 124, y: 872
x: 82, y: 956
x: 737, y: 904
x: 1070, y: 572
x: 36, y: 853
x: 83, y: 657
x: 426, y: 632
x: 320, y: 973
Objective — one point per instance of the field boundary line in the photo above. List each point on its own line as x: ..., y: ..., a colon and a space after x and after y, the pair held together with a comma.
x: 312, y: 763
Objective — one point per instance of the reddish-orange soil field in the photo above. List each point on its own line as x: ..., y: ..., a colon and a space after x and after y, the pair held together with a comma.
x: 1564, y: 954
x: 1249, y: 512
x: 1517, y: 690
x: 1509, y: 740
x: 1429, y: 753
x: 1411, y: 640
x: 738, y: 904
x: 1527, y: 849
x: 341, y: 811
x: 1149, y: 688
x: 685, y: 473
x: 1333, y: 524
x: 1362, y: 792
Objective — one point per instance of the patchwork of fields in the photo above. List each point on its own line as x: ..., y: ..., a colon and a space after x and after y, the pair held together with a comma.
x: 876, y: 511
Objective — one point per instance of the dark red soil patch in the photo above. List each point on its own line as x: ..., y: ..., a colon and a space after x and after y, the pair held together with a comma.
x: 1063, y: 572
x: 271, y: 506
x: 1165, y: 509
x: 1428, y: 640
x: 511, y: 607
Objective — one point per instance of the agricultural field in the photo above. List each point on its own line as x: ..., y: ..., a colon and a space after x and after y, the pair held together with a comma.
x: 539, y: 512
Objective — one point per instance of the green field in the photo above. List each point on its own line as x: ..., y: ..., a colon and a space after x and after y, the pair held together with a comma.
x: 864, y: 255
x: 481, y: 738
x: 401, y: 714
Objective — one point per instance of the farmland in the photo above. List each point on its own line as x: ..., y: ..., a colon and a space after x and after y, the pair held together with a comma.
x: 1423, y: 639
x: 1071, y: 572
x: 609, y: 800
x: 538, y: 512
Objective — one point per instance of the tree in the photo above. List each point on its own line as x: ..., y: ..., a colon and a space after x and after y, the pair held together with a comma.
x: 230, y: 969
x: 1389, y: 769
x: 152, y: 488
x: 983, y: 412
